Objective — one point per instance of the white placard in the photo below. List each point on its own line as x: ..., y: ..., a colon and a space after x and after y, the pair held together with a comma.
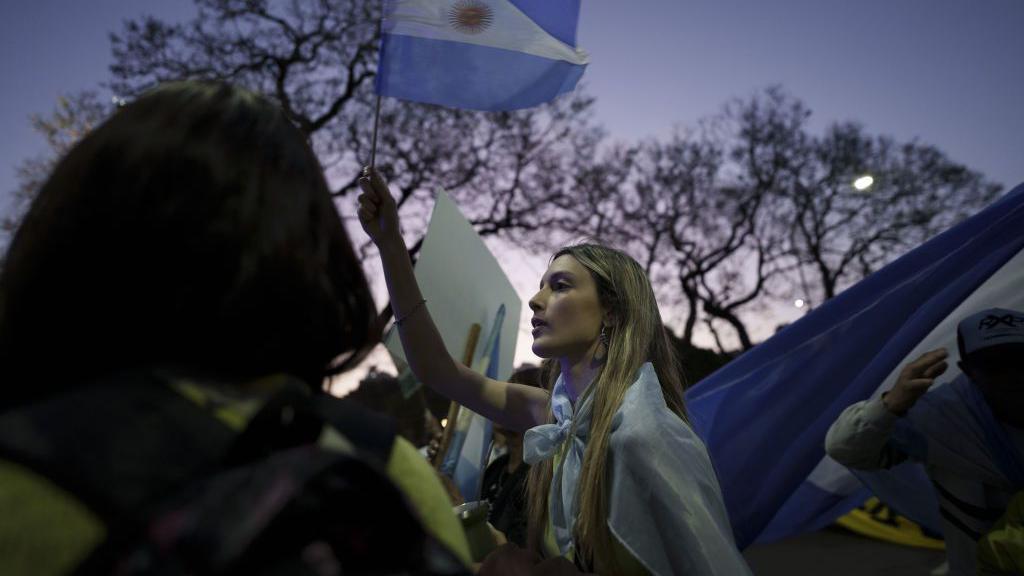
x: 463, y: 284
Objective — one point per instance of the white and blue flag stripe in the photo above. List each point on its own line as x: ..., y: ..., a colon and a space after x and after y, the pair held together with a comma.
x: 471, y: 444
x: 479, y: 54
x: 764, y: 416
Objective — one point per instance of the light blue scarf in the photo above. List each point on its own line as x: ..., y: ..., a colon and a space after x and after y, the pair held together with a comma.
x: 665, y: 504
x: 544, y: 441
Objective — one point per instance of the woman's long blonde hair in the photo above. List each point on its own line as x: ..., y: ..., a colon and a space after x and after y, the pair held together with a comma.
x: 636, y: 336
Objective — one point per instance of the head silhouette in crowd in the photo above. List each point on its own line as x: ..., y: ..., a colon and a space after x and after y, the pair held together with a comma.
x: 193, y: 229
x: 382, y: 392
x: 991, y: 345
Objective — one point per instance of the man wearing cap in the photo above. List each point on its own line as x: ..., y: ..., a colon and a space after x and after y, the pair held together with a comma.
x: 969, y: 433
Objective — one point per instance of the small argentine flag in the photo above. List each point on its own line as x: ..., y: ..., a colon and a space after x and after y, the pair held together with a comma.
x: 479, y: 54
x: 471, y: 444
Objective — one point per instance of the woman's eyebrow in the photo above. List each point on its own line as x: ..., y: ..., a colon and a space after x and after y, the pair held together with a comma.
x: 557, y: 276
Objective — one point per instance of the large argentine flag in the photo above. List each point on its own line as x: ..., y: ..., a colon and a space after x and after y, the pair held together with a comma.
x: 764, y: 416
x: 479, y: 54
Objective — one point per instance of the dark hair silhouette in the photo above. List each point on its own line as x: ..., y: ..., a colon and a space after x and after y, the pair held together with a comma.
x: 382, y: 393
x: 193, y: 229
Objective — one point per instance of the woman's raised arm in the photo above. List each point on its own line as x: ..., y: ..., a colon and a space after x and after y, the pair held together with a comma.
x: 514, y: 406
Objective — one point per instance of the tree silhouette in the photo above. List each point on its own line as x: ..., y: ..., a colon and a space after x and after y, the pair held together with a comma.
x: 509, y: 172
x: 751, y: 208
x: 841, y: 234
x: 73, y: 117
x: 728, y: 218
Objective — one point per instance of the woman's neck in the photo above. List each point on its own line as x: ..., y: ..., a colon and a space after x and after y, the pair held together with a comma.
x: 578, y: 373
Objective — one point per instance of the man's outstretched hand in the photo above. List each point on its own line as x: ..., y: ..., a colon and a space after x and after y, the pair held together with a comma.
x: 915, y: 379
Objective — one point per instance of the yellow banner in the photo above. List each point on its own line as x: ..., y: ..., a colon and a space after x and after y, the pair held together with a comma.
x: 876, y: 520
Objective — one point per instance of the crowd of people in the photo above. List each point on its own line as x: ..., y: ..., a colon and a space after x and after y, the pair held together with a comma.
x: 182, y: 288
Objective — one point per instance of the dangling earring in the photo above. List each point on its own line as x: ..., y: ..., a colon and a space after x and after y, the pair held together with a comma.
x: 602, y: 352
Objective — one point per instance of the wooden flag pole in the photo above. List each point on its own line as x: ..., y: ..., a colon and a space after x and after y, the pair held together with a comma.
x: 453, y: 408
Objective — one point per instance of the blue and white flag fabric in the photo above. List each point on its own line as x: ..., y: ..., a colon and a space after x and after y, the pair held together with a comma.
x: 764, y: 416
x: 479, y: 54
x: 471, y: 442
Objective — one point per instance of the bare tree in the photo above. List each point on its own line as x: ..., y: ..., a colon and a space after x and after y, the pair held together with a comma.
x: 841, y: 234
x: 73, y: 117
x: 698, y: 214
x: 724, y: 218
x: 728, y: 217
x: 509, y: 172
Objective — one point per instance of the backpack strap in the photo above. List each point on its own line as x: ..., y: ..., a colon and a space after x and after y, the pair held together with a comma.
x: 117, y: 445
x: 128, y: 440
x: 285, y: 420
x: 128, y: 444
x: 373, y: 434
x: 293, y: 417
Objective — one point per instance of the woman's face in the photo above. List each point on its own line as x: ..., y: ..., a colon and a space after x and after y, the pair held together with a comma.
x: 567, y: 313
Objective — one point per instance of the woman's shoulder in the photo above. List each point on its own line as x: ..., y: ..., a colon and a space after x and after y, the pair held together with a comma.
x: 644, y: 417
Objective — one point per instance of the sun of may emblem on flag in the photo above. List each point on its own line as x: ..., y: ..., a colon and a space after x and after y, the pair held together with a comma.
x: 470, y: 16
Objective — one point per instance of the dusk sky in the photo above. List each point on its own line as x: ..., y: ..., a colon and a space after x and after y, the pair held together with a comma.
x: 947, y: 72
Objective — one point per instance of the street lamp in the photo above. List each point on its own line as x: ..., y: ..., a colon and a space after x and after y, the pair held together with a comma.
x: 864, y: 182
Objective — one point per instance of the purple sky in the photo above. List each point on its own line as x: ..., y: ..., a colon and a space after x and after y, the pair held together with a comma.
x: 53, y: 47
x: 948, y: 72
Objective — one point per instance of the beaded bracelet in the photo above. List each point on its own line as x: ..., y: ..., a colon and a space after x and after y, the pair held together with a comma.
x: 410, y: 312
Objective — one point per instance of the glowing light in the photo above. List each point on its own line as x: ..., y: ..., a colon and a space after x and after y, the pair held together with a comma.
x: 444, y: 422
x: 799, y: 303
x: 863, y: 183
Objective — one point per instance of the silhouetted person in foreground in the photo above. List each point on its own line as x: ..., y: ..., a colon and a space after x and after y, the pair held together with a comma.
x: 170, y: 308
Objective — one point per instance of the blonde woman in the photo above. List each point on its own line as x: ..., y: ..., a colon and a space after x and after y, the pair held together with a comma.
x: 620, y: 483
